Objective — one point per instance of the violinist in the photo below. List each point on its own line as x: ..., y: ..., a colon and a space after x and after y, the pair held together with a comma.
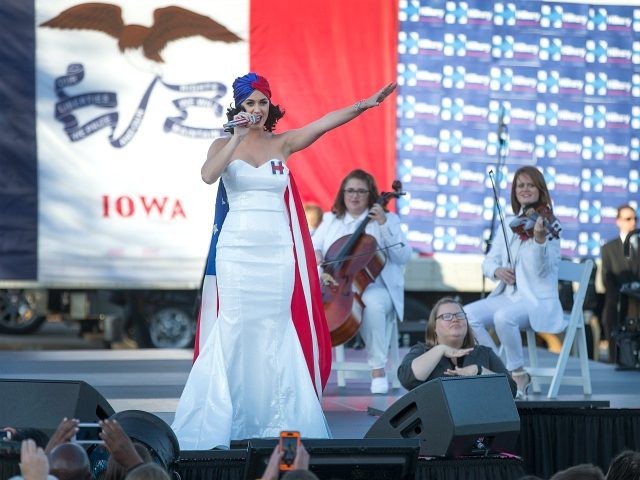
x: 355, y: 202
x: 524, y: 261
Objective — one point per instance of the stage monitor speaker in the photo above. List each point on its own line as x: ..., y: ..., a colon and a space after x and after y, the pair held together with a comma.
x: 345, y: 459
x: 454, y: 416
x: 42, y: 404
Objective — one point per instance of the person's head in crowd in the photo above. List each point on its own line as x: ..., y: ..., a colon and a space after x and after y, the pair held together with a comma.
x: 626, y: 219
x: 313, y: 213
x: 584, y: 471
x: 299, y: 475
x: 115, y: 471
x: 34, y: 434
x: 69, y: 461
x: 625, y: 466
x: 147, y: 471
x: 448, y: 325
x: 20, y: 434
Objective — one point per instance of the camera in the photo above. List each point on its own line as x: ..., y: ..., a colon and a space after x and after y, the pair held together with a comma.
x: 88, y: 433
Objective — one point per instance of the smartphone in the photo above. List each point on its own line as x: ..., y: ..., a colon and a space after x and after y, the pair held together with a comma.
x: 5, y: 435
x: 88, y: 433
x: 289, y: 442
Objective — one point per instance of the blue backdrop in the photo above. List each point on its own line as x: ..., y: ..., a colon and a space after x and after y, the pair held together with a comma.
x: 563, y: 78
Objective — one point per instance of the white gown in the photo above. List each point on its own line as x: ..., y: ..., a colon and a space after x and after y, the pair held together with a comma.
x: 250, y: 379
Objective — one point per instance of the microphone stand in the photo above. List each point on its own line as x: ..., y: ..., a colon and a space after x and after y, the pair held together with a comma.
x: 503, y: 135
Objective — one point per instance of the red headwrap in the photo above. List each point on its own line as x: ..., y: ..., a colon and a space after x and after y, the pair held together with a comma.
x: 245, y: 85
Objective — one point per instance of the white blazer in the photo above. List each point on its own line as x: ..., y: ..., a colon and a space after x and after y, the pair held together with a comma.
x: 332, y: 228
x: 536, y: 268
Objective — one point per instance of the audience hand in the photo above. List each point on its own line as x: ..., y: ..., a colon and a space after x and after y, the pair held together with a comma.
x: 301, y: 462
x: 272, y: 472
x: 34, y: 464
x: 64, y: 433
x: 119, y: 444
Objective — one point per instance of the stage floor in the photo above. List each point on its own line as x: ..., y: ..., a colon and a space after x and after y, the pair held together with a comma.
x: 152, y: 380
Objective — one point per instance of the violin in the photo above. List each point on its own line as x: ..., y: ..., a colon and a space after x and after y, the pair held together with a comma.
x: 523, y: 224
x: 354, y: 261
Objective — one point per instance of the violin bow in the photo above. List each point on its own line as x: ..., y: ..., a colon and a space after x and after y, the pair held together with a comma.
x: 504, y: 230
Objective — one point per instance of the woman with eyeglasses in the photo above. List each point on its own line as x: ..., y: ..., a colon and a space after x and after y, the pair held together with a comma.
x: 450, y: 350
x: 384, y: 298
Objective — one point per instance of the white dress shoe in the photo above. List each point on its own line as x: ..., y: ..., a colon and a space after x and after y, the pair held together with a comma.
x: 379, y: 385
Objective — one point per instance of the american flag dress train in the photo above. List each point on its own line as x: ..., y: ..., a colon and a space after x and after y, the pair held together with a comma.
x: 263, y: 352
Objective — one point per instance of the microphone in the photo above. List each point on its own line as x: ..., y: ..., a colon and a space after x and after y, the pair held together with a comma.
x: 252, y: 120
x: 502, y: 128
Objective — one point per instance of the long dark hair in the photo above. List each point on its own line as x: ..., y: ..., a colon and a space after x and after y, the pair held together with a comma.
x: 275, y: 114
x: 339, y: 208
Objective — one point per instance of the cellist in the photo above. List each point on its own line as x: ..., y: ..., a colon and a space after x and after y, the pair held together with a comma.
x: 355, y: 201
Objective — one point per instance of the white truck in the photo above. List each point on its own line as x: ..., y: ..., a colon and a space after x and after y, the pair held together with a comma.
x: 103, y: 215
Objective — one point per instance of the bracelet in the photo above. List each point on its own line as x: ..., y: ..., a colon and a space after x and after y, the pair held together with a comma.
x: 359, y: 106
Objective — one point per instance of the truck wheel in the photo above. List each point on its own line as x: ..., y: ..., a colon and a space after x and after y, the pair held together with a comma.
x: 18, y: 314
x: 171, y: 328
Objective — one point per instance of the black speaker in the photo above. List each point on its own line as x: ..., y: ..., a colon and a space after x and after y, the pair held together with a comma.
x: 454, y: 416
x: 42, y: 404
x: 345, y: 459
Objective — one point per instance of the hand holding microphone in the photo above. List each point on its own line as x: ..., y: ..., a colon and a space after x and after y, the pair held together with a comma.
x: 245, y: 119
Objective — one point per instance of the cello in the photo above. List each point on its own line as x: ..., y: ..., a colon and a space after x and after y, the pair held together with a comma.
x: 354, y: 261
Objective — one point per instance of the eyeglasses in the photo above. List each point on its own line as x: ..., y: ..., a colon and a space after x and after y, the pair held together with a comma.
x: 448, y: 317
x: 353, y: 191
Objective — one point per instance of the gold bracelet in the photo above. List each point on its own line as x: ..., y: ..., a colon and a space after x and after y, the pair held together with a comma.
x: 359, y: 107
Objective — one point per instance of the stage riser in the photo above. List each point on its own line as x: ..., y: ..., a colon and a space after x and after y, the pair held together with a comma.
x: 481, y: 469
x: 552, y: 439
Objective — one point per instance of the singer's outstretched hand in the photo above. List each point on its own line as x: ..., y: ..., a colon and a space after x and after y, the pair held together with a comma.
x: 254, y: 101
x: 379, y: 97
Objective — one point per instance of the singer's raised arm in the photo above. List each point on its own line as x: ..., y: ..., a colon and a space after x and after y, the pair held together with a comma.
x: 300, y: 138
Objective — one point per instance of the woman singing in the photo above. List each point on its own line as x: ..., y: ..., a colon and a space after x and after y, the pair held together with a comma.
x: 266, y: 357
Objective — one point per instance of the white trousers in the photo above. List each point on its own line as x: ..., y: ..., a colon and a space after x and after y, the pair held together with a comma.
x: 377, y: 324
x: 508, y: 316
